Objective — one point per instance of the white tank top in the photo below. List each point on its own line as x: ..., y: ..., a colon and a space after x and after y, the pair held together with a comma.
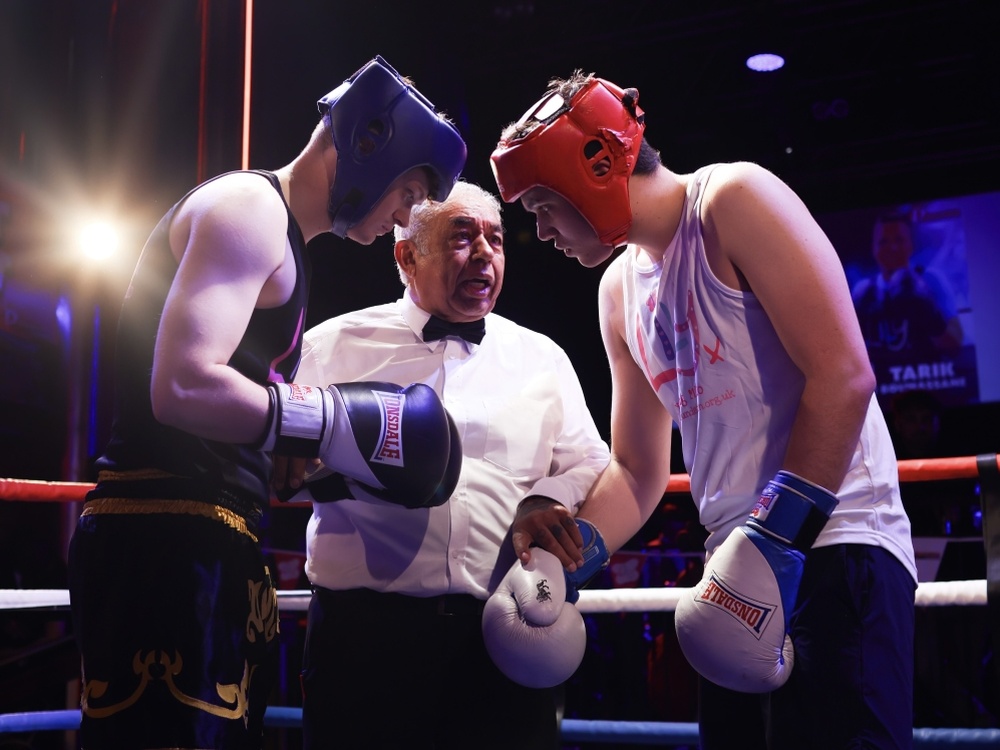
x: 717, y: 365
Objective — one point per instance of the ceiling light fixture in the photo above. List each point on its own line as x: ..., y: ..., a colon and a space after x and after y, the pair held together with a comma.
x: 765, y: 62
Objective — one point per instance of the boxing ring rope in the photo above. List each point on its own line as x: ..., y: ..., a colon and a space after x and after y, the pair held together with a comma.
x: 910, y: 470
x: 596, y: 601
x: 592, y: 601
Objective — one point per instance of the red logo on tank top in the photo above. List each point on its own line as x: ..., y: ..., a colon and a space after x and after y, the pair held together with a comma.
x: 688, y: 345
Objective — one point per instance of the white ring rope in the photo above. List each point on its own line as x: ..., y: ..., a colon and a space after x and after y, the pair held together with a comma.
x: 592, y: 601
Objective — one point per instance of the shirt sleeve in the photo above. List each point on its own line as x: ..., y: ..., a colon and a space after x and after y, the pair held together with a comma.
x: 579, y: 455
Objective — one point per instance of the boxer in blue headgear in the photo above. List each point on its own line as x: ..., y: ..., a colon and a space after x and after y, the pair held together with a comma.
x: 383, y: 127
x: 208, y: 415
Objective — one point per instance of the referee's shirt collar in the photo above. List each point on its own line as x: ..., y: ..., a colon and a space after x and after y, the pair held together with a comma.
x: 416, y: 318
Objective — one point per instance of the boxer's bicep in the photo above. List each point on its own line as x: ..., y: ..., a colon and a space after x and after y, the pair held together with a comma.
x: 225, y: 267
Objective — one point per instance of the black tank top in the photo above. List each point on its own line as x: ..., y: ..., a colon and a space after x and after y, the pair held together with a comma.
x: 233, y: 475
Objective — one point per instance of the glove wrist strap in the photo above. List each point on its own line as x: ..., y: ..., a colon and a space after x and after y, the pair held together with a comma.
x: 297, y: 420
x: 595, y: 559
x: 792, y: 510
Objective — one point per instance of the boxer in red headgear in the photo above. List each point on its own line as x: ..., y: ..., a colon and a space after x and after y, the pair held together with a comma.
x: 584, y: 149
x: 727, y: 313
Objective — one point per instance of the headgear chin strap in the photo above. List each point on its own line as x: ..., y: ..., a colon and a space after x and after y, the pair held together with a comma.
x: 585, y: 150
x: 383, y: 127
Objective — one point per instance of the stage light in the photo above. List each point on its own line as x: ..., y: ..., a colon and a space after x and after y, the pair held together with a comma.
x: 765, y: 62
x: 98, y: 240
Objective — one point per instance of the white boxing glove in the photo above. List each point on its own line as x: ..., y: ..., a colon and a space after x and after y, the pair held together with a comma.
x: 531, y: 632
x: 733, y: 625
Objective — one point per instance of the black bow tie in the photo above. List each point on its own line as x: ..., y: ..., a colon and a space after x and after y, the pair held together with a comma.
x: 472, y: 332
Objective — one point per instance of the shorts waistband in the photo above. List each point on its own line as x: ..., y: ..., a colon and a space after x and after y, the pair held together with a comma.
x: 156, y: 491
x: 442, y: 605
x: 131, y: 506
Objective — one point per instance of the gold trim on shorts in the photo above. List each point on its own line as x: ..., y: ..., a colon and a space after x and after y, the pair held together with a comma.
x: 236, y: 694
x: 133, y: 475
x: 127, y: 505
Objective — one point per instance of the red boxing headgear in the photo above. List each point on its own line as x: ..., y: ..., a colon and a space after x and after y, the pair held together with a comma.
x: 564, y: 151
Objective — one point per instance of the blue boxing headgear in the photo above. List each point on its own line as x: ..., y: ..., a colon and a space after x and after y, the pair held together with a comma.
x: 383, y: 127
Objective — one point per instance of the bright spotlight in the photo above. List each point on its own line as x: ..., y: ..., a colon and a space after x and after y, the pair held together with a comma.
x: 99, y: 240
x: 765, y: 62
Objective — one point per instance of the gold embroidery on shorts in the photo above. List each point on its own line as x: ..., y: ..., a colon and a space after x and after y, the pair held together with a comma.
x: 263, y: 616
x: 234, y: 694
x: 190, y: 507
x: 97, y: 688
x: 133, y: 475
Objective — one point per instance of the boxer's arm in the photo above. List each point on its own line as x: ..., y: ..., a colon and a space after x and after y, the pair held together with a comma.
x: 630, y: 488
x: 754, y: 225
x: 230, y: 241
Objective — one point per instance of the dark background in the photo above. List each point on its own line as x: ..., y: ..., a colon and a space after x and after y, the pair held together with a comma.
x: 119, y: 106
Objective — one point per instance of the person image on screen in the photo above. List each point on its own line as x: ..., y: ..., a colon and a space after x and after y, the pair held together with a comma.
x: 904, y: 310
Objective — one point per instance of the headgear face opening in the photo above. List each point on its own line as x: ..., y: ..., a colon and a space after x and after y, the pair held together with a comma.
x: 383, y: 127
x: 584, y: 150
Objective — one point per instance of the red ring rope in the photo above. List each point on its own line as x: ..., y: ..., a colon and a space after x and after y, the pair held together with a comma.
x: 910, y: 470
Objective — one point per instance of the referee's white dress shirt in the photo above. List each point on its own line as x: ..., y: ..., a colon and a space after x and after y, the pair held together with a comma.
x: 525, y: 428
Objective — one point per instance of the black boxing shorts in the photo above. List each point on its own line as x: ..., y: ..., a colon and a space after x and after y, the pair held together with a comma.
x: 176, y: 618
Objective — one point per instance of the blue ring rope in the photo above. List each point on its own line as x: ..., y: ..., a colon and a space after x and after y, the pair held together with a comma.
x: 574, y: 730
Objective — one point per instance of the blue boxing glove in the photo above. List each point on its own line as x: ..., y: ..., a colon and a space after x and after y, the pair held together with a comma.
x: 733, y: 626
x: 399, y: 443
x: 324, y: 485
